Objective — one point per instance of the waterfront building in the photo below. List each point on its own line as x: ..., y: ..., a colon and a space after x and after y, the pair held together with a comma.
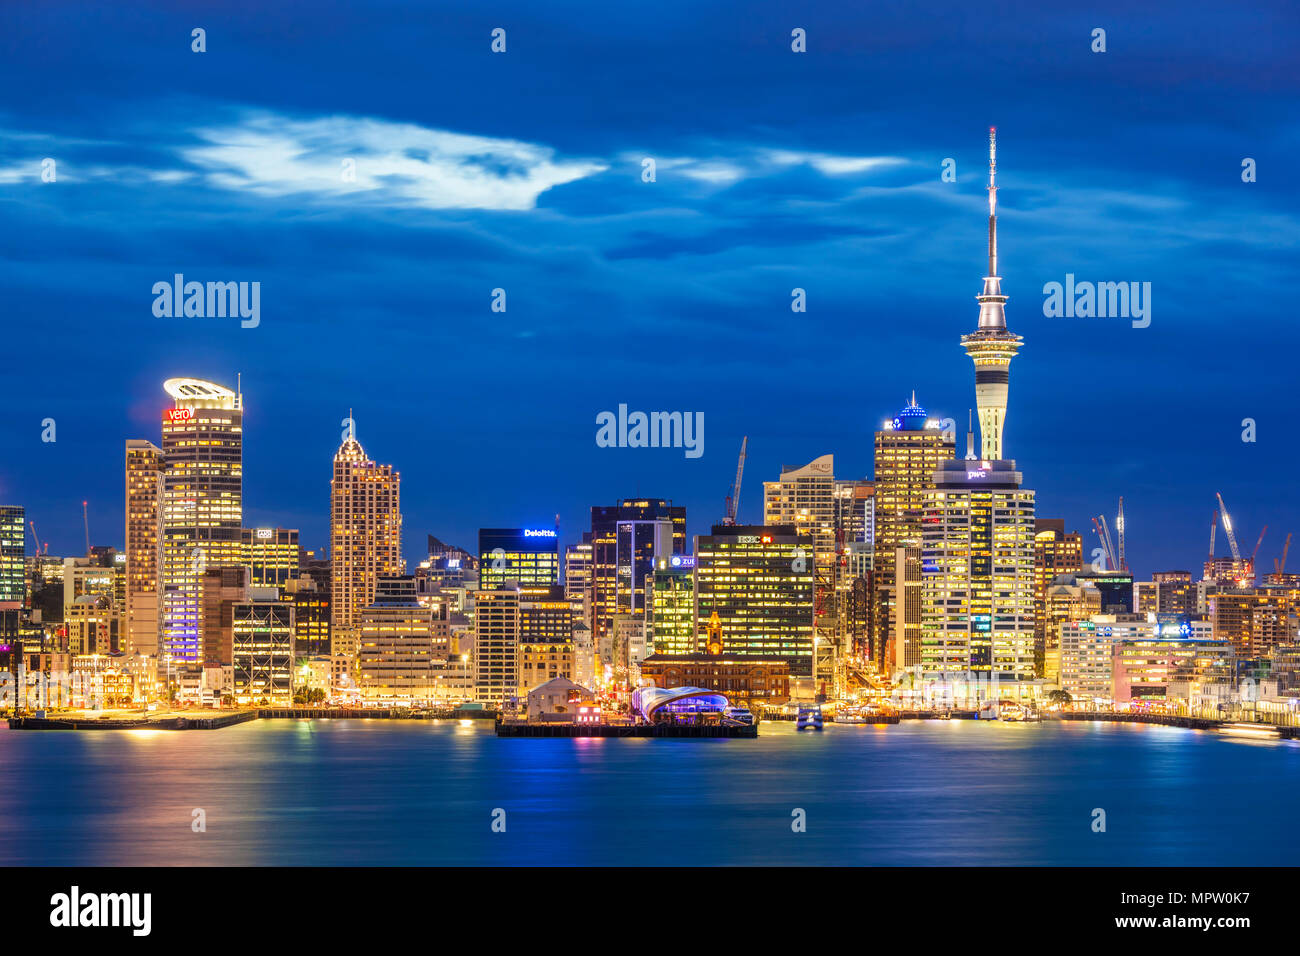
x: 545, y: 638
x: 365, y: 530
x: 759, y: 580
x: 496, y: 645
x: 262, y: 648
x: 1087, y: 648
x: 748, y: 680
x: 272, y: 556
x: 670, y: 618
x: 562, y: 699
x: 395, y: 652
x: 1055, y: 553
x: 909, y: 449
x: 202, y: 504
x: 527, y: 556
x: 1164, y: 669
x: 1068, y: 598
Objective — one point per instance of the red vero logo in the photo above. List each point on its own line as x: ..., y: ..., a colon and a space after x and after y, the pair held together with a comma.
x: 178, y: 414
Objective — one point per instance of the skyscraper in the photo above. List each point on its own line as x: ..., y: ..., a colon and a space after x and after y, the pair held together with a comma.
x: 627, y: 539
x: 991, y: 347
x: 1055, y: 553
x: 527, y: 556
x: 202, y: 504
x: 759, y: 580
x: 272, y: 555
x: 12, y: 554
x: 365, y: 530
x: 144, y: 492
x: 908, y: 451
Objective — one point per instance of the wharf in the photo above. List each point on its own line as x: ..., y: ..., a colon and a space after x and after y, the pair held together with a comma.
x: 132, y: 723
x: 557, y: 729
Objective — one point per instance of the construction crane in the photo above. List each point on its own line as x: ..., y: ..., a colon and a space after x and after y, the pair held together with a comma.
x: 1119, y: 529
x: 1227, y: 526
x: 1099, y: 525
x: 1110, y: 545
x: 85, y: 520
x: 36, y: 538
x: 1254, y: 554
x: 1280, y: 566
x: 733, y: 497
x: 1214, y: 526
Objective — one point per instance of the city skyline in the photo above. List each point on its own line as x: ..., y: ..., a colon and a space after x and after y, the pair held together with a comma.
x: 845, y: 201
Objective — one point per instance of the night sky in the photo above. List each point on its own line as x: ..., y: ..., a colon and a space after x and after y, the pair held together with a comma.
x: 775, y: 170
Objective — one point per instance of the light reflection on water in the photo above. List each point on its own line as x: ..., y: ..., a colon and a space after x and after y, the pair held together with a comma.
x: 423, y: 792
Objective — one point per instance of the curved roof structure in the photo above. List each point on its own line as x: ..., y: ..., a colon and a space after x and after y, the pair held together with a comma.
x: 196, y: 393
x: 688, y: 699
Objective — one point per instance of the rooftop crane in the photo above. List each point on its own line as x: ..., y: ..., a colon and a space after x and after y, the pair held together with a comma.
x: 1110, y: 545
x: 1227, y: 526
x: 1103, y: 536
x: 1254, y: 554
x: 1214, y: 526
x: 1119, y: 529
x: 1280, y: 566
x: 733, y: 497
x: 36, y: 538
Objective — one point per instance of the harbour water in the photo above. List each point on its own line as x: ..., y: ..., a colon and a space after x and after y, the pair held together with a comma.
x: 419, y: 793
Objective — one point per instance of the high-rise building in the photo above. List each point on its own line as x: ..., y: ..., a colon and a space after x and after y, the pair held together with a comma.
x: 991, y: 347
x: 220, y: 590
x: 395, y: 656
x: 1055, y: 553
x: 365, y: 530
x: 627, y: 539
x: 577, y: 572
x: 528, y: 556
x: 759, y: 580
x: 1175, y: 592
x: 496, y: 644
x: 545, y: 639
x: 13, y: 552
x: 978, y: 574
x: 311, y: 617
x: 804, y: 498
x: 144, y: 492
x: 272, y: 555
x: 202, y: 505
x: 906, y: 606
x: 670, y: 620
x: 908, y: 451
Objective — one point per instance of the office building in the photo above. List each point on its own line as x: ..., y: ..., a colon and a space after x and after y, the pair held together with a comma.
x: 220, y: 590
x: 365, y: 531
x: 908, y: 451
x: 144, y: 491
x: 202, y: 505
x: 760, y: 583
x: 627, y: 540
x: 262, y: 648
x: 496, y: 645
x: 272, y: 555
x: 395, y: 653
x: 13, y: 557
x: 1055, y: 553
x: 670, y: 619
x: 527, y: 556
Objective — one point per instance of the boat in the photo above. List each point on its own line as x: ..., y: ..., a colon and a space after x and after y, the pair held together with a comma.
x: 988, y: 711
x: 1256, y: 731
x: 739, y: 715
x: 810, y: 718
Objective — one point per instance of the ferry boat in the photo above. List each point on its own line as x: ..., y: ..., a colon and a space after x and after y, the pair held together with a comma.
x: 740, y: 715
x: 1257, y: 731
x: 810, y: 718
x: 988, y: 711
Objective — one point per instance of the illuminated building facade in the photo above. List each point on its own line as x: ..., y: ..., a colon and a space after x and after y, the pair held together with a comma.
x: 627, y: 539
x: 1175, y: 592
x: 908, y: 451
x: 144, y: 492
x: 759, y: 580
x: 13, y: 556
x: 365, y: 531
x: 1160, y: 669
x: 906, y: 606
x: 311, y: 617
x: 978, y: 573
x: 527, y: 556
x: 578, y: 559
x: 670, y: 618
x: 202, y: 505
x: 1088, y: 648
x: 746, y: 680
x: 1055, y: 553
x: 272, y: 556
x: 395, y: 653
x: 262, y: 648
x: 496, y: 644
x: 1067, y: 599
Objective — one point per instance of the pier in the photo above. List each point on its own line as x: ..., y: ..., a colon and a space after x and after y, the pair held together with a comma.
x: 557, y: 729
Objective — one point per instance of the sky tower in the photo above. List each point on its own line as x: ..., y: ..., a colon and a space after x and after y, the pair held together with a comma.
x: 991, y: 347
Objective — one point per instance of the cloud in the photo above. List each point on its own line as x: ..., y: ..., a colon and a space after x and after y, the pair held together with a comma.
x: 396, y: 164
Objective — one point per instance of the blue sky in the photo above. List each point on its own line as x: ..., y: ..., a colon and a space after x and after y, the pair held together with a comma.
x: 775, y: 170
